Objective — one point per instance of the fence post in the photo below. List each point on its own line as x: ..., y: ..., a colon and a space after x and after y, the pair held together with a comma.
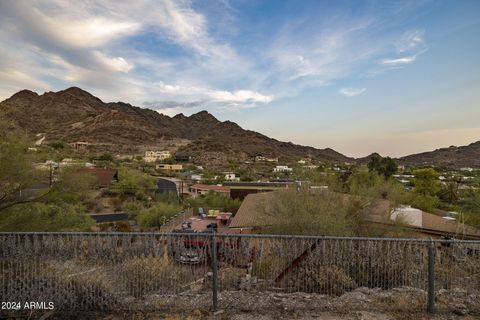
x: 214, y: 273
x: 431, y: 277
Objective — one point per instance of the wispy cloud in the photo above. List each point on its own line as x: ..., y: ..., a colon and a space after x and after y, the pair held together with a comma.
x: 210, y: 95
x: 410, y: 40
x: 172, y: 52
x: 399, y: 61
x: 412, y: 43
x: 352, y: 92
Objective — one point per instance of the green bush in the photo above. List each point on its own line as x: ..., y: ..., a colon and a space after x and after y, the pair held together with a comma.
x: 215, y: 200
x: 45, y: 217
x: 157, y: 215
x: 133, y: 208
x: 133, y: 183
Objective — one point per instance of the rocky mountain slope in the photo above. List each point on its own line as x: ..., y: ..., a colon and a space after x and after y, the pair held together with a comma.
x: 75, y: 115
x: 464, y: 156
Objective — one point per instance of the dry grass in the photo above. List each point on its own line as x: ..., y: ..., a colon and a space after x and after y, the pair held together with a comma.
x: 146, y: 275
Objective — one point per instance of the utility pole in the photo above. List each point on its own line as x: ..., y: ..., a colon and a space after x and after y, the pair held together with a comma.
x: 51, y: 174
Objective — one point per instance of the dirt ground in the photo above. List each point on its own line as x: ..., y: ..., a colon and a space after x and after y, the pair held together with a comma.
x: 404, y: 303
x: 223, y: 315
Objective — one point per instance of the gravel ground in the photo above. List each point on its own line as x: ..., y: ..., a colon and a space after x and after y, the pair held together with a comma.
x: 403, y: 303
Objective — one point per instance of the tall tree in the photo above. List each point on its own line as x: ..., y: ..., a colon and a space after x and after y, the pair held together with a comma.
x: 17, y: 173
x: 383, y: 166
x: 426, y: 187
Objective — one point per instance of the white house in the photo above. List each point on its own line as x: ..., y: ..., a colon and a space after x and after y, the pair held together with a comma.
x: 196, y: 177
x: 152, y: 156
x: 265, y: 159
x: 229, y: 176
x: 282, y: 169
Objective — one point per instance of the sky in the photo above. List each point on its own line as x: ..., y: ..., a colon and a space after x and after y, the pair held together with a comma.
x: 394, y: 77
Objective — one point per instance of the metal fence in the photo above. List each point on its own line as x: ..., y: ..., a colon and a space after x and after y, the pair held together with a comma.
x: 160, y: 271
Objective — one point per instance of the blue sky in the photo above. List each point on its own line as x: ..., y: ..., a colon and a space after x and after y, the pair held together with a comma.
x: 358, y: 76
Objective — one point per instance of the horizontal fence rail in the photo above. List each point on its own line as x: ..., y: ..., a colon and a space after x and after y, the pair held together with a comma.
x: 188, y: 271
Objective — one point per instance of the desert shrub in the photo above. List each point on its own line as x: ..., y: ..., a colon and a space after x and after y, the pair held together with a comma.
x: 159, y: 275
x: 385, y: 275
x: 406, y: 300
x: 325, y: 279
x: 116, y: 202
x: 262, y: 268
x: 45, y: 217
x: 303, y: 213
x: 57, y: 145
x: 67, y: 285
x: 157, y: 215
x: 119, y: 226
x: 133, y: 208
x: 228, y: 278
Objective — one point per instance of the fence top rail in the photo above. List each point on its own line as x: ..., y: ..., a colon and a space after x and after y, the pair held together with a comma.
x: 220, y: 235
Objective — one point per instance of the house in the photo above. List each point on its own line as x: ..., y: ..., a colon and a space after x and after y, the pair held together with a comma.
x: 229, y: 176
x: 80, y: 145
x: 253, y: 213
x: 199, y: 188
x: 239, y: 190
x: 152, y: 156
x: 257, y: 212
x: 430, y: 224
x: 282, y: 169
x: 196, y: 177
x: 182, y: 157
x: 170, y: 167
x: 261, y: 158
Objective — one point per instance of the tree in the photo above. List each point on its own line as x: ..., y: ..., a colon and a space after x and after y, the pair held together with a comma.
x: 471, y: 201
x: 132, y: 182
x: 426, y: 187
x: 450, y: 193
x: 73, y: 185
x: 45, y: 217
x: 383, y: 166
x: 106, y: 157
x: 363, y: 180
x: 470, y: 206
x: 215, y: 200
x: 57, y: 145
x: 156, y: 216
x: 17, y: 173
x: 370, y: 185
x: 302, y: 212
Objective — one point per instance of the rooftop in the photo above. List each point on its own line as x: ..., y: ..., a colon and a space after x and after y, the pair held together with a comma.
x: 213, y: 187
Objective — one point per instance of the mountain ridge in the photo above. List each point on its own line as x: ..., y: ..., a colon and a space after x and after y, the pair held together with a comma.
x: 73, y: 114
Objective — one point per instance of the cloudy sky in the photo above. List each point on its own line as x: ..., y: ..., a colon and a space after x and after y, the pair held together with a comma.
x: 358, y: 76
